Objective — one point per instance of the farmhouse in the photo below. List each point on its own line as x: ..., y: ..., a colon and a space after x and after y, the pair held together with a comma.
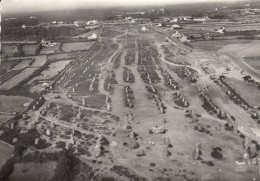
x: 175, y: 26
x: 176, y: 34
x: 175, y: 20
x: 221, y: 30
x: 89, y: 23
x: 200, y: 19
x: 144, y: 29
x: 183, y: 38
x: 93, y: 37
x: 48, y: 43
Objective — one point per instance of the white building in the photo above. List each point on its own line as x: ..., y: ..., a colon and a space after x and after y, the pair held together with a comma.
x: 144, y: 29
x: 89, y: 23
x: 23, y: 27
x: 201, y: 19
x: 93, y: 37
x: 221, y: 30
x: 176, y: 26
x: 176, y: 34
x: 183, y: 39
x: 175, y: 20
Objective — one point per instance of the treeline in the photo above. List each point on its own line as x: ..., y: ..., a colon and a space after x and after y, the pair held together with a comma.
x: 66, y: 162
x: 38, y: 33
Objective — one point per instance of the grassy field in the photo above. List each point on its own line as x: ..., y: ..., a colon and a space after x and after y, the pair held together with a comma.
x: 253, y: 62
x: 243, y: 49
x: 17, y: 79
x: 29, y: 49
x: 39, y: 60
x: 9, y: 50
x: 50, y: 50
x: 53, y: 69
x: 33, y: 171
x: 214, y: 45
x: 5, y: 153
x: 58, y: 56
x: 244, y: 89
x: 75, y: 46
x: 22, y: 64
x: 13, y: 103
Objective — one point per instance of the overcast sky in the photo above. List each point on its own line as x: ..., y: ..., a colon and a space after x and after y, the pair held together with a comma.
x: 40, y: 5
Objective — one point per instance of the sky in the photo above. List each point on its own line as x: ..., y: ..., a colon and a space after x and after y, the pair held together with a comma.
x: 42, y: 5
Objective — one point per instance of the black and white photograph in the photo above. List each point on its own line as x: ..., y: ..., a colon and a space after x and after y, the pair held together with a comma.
x: 130, y: 90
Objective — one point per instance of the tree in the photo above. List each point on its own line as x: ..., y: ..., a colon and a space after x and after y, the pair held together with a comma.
x: 7, y: 170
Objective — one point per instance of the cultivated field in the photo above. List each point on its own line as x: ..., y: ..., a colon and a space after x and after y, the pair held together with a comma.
x: 75, y: 46
x: 53, y: 69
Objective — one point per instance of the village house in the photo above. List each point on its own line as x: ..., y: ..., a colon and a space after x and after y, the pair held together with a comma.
x: 176, y: 34
x: 48, y: 43
x: 183, y: 39
x: 144, y: 29
x: 93, y: 37
x: 89, y: 23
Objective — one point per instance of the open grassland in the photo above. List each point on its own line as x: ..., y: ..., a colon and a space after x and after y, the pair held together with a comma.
x: 23, y: 64
x: 13, y: 103
x: 243, y: 49
x: 76, y: 46
x: 52, y: 70
x: 33, y: 171
x: 5, y: 153
x: 246, y: 90
x: 9, y: 50
x: 16, y: 79
x: 254, y: 62
x: 29, y: 49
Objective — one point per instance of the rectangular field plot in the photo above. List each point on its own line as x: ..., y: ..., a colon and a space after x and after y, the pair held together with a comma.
x: 76, y: 46
x: 13, y: 81
x: 248, y: 92
x: 22, y: 64
x: 52, y: 70
x: 5, y: 153
x: 9, y: 50
x: 29, y: 49
x: 50, y: 50
x: 13, y: 103
x: 253, y: 62
x: 39, y: 60
x: 33, y: 171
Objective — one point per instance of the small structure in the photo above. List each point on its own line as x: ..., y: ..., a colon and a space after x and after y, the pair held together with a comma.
x: 36, y: 141
x: 93, y: 22
x: 158, y: 129
x: 183, y: 39
x: 167, y: 141
x: 144, y: 29
x: 221, y: 30
x: 15, y: 140
x: 176, y: 34
x: 48, y: 132
x: 140, y: 152
x: 97, y: 151
x: 93, y: 37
